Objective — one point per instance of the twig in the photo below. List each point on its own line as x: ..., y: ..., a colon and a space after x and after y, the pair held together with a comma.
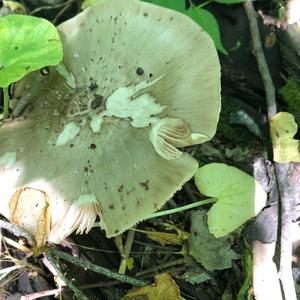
x: 160, y: 267
x: 261, y: 61
x: 78, y: 293
x: 17, y: 231
x: 61, y: 12
x: 281, y: 169
x: 47, y: 7
x: 97, y: 269
x: 40, y: 294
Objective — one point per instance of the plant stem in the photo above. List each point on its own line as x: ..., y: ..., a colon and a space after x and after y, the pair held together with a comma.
x: 182, y: 208
x: 5, y: 103
x: 204, y: 3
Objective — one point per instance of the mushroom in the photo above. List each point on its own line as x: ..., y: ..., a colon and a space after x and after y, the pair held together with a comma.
x: 101, y: 132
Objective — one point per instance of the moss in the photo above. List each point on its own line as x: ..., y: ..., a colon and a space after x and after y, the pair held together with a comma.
x: 291, y: 96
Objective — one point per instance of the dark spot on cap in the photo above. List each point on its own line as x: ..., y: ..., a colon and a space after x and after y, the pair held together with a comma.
x: 130, y: 191
x: 145, y: 14
x: 71, y: 145
x: 139, y: 71
x: 27, y: 68
x: 150, y: 75
x: 86, y: 169
x: 121, y: 188
x: 145, y: 185
x: 117, y: 231
x: 97, y: 102
x: 123, y: 207
x: 93, y: 146
x: 111, y: 206
x: 16, y: 48
x: 93, y: 84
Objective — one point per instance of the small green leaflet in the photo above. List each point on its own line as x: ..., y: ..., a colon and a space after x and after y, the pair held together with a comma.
x: 239, y: 197
x: 209, y: 23
x: 26, y: 44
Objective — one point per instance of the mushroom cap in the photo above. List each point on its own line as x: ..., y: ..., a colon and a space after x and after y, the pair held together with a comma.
x: 99, y: 135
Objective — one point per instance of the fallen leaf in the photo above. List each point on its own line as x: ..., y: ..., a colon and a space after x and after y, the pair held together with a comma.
x: 29, y: 208
x: 283, y: 129
x: 211, y: 253
x: 239, y: 197
x: 164, y: 288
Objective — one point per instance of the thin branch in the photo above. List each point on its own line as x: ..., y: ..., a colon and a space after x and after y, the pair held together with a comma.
x: 47, y: 7
x: 17, y: 231
x: 261, y: 60
x: 40, y: 294
x: 62, y: 11
x: 68, y: 282
x: 97, y: 269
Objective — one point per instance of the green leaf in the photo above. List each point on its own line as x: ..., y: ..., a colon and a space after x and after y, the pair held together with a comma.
x: 26, y: 44
x: 209, y: 23
x: 239, y: 197
x: 229, y: 1
x: 178, y: 5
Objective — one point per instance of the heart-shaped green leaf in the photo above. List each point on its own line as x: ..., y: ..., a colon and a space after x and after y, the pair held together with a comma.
x: 239, y: 197
x: 26, y: 44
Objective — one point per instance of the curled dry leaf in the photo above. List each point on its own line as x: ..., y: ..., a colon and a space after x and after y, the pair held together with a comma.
x: 29, y: 208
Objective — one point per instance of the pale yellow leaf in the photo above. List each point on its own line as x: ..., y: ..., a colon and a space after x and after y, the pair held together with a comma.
x: 283, y: 129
